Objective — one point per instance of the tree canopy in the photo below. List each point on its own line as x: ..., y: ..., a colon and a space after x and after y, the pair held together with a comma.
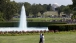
x: 73, y: 7
x: 8, y: 9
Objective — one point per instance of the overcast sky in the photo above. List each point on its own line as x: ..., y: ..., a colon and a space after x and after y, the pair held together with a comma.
x: 60, y: 2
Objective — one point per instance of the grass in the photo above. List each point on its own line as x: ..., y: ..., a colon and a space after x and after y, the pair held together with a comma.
x: 60, y: 37
x: 39, y: 19
x: 43, y: 19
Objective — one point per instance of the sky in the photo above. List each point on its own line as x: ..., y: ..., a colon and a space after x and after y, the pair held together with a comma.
x: 60, y: 2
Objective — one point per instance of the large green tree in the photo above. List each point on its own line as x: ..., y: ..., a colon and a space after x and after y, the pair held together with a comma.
x: 58, y: 9
x: 67, y: 10
x: 49, y: 7
x: 41, y: 9
x: 8, y: 9
x: 73, y: 7
x: 74, y: 15
x: 74, y: 2
x: 35, y: 9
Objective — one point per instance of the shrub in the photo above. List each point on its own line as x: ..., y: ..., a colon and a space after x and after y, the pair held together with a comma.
x: 29, y: 24
x: 42, y: 24
x: 9, y: 24
x: 62, y: 27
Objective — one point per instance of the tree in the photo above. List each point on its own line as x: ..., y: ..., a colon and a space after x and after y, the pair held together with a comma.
x: 45, y: 6
x: 1, y: 17
x: 10, y: 10
x: 58, y: 9
x: 27, y: 8
x: 67, y: 10
x: 74, y: 2
x: 49, y: 7
x: 35, y: 9
x: 74, y: 15
x: 73, y: 8
x: 19, y: 5
x: 41, y: 9
x: 3, y: 6
x: 73, y: 5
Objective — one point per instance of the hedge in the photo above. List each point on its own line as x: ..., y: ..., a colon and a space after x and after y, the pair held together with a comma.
x: 62, y: 27
x: 9, y: 24
x: 42, y: 24
x: 29, y: 24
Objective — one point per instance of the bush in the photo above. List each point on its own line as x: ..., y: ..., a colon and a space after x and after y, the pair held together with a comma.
x: 9, y: 24
x: 29, y: 24
x: 74, y: 15
x: 42, y: 24
x: 62, y: 27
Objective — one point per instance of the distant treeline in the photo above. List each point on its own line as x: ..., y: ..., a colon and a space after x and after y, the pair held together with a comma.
x: 9, y: 9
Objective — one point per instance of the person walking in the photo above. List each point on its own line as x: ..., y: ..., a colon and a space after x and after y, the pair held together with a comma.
x: 40, y: 38
x: 43, y: 39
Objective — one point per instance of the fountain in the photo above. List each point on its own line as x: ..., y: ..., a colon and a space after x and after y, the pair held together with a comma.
x: 23, y: 24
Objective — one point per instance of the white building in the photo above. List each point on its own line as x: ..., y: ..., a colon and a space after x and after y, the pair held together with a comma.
x: 55, y: 5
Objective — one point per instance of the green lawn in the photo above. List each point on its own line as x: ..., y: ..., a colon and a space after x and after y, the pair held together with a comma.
x: 43, y: 19
x: 60, y: 37
x: 39, y: 19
